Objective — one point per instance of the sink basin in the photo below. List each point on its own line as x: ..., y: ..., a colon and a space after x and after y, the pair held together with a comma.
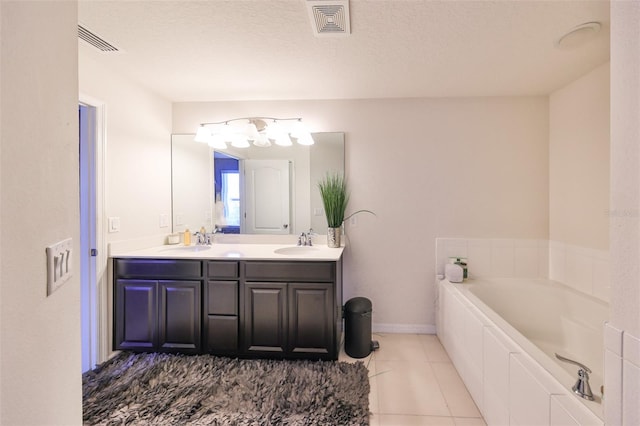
x: 188, y: 248
x: 296, y: 250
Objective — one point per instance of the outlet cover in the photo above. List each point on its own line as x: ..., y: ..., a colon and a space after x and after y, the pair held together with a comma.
x: 59, y: 264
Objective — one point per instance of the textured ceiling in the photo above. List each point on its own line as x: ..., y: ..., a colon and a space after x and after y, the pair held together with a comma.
x: 265, y: 49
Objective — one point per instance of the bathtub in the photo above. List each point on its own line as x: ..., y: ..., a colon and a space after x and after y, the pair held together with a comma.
x: 502, y: 336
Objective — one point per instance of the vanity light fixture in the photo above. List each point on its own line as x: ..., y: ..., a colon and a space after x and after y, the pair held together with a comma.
x: 259, y: 131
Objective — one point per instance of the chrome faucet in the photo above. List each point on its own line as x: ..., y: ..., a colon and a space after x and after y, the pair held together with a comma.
x: 305, y: 238
x: 582, y: 387
x: 207, y: 237
x: 201, y: 239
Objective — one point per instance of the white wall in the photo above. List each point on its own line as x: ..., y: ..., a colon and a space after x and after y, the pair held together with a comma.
x: 579, y: 161
x: 40, y: 354
x: 138, y: 146
x: 428, y: 168
x: 625, y: 158
x: 622, y: 358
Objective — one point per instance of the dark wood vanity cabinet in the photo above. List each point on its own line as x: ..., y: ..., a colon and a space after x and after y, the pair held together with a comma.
x: 156, y: 314
x: 236, y: 308
x: 290, y: 309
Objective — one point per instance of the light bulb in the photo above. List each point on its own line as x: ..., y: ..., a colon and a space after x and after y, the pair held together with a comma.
x: 217, y: 142
x: 252, y: 132
x: 305, y: 139
x: 274, y: 130
x: 262, y: 141
x: 239, y: 141
x: 203, y: 135
x: 283, y: 139
x: 299, y: 129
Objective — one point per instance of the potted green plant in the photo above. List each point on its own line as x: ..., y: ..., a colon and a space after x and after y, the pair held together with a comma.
x: 335, y: 198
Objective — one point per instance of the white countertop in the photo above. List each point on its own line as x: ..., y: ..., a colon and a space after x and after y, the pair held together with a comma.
x: 226, y: 251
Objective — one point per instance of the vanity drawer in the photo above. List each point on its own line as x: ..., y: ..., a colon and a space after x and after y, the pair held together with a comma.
x: 222, y: 269
x: 290, y: 271
x: 157, y: 268
x: 222, y: 297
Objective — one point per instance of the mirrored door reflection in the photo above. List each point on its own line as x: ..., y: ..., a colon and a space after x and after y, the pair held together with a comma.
x: 227, y: 193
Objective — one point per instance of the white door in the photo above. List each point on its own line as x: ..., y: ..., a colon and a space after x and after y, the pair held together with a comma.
x: 267, y: 207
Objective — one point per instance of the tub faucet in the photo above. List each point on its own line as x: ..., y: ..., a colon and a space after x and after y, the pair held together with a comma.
x: 581, y: 387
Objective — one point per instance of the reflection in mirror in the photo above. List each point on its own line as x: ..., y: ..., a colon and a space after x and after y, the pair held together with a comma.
x: 253, y: 190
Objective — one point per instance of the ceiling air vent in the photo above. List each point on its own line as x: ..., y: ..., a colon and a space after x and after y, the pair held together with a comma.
x: 95, y: 40
x: 329, y: 18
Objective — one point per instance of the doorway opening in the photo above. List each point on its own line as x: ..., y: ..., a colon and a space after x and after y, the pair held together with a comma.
x: 93, y: 289
x: 87, y: 115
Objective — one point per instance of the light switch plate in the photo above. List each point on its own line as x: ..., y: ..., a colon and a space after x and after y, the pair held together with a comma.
x: 114, y: 224
x: 164, y: 220
x: 59, y: 264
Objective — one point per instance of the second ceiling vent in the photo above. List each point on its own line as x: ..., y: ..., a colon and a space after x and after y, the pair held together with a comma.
x: 95, y: 40
x: 329, y: 18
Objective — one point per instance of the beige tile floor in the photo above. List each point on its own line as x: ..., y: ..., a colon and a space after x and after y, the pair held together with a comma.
x: 414, y: 383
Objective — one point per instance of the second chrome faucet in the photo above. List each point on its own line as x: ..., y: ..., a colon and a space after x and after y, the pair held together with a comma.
x: 305, y: 238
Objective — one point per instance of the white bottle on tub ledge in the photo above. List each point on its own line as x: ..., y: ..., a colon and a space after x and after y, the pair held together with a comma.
x: 453, y: 272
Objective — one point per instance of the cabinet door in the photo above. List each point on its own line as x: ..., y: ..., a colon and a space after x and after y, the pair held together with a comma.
x: 179, y: 316
x: 135, y: 315
x: 311, y: 319
x: 265, y: 317
x: 222, y: 334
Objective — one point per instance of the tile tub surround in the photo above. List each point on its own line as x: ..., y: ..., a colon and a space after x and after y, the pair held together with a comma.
x: 506, y: 373
x: 622, y: 377
x: 495, y: 257
x: 584, y: 269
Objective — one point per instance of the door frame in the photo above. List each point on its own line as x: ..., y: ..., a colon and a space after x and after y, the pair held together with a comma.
x: 100, y: 330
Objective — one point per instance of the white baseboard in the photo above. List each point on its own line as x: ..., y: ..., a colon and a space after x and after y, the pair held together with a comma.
x: 404, y: 328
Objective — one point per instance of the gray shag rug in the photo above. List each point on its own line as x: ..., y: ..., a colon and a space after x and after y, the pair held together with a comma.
x: 166, y: 389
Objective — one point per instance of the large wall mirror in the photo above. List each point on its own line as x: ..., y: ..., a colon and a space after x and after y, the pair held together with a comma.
x: 271, y: 190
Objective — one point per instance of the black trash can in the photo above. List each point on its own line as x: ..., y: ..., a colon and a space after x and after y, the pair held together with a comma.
x: 357, y: 327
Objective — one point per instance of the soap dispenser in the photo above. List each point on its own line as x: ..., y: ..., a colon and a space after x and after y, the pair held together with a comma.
x: 187, y: 237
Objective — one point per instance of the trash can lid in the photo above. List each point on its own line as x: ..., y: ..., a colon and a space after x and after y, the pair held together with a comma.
x: 358, y: 304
